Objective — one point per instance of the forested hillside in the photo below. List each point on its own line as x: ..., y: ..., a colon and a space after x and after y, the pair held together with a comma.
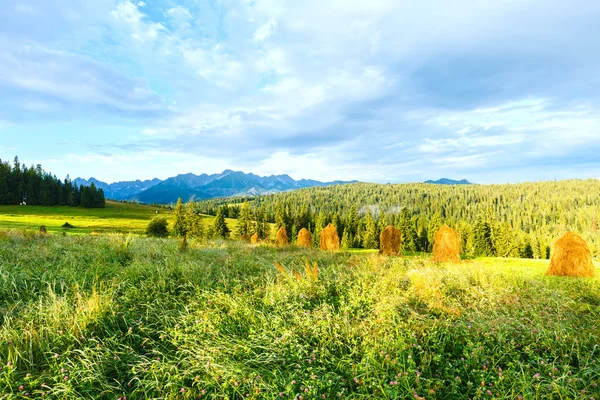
x: 34, y: 186
x: 511, y: 220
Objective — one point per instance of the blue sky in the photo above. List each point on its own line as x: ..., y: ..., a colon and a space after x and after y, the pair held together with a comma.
x: 379, y: 90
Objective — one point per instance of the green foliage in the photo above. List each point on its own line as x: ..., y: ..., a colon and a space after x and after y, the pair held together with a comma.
x: 262, y: 228
x: 109, y: 317
x: 34, y: 186
x: 220, y: 228
x: 370, y: 234
x: 180, y: 226
x: 158, y: 227
x: 512, y: 219
x: 194, y: 227
x: 244, y: 221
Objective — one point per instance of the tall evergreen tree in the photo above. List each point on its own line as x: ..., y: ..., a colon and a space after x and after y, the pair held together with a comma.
x: 370, y: 237
x: 220, y: 228
x: 180, y: 226
x: 244, y: 226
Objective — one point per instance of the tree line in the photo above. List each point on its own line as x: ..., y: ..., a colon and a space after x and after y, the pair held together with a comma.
x: 509, y: 220
x: 20, y: 184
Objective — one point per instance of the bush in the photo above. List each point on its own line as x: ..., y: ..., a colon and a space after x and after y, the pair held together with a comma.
x: 158, y: 227
x: 67, y: 225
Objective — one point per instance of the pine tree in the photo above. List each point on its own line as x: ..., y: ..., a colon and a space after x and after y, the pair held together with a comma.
x: 370, y: 237
x: 262, y: 226
x: 347, y: 241
x: 245, y: 221
x: 179, y: 228
x: 409, y: 232
x: 482, y: 239
x: 193, y: 222
x: 220, y: 228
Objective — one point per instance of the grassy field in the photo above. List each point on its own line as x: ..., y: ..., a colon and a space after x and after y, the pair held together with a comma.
x: 108, y: 317
x: 114, y: 218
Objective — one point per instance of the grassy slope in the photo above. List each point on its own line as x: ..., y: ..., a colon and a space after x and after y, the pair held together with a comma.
x: 115, y: 217
x: 103, y: 317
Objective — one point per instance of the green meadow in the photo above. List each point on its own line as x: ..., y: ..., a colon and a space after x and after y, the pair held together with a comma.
x: 116, y: 217
x: 127, y: 317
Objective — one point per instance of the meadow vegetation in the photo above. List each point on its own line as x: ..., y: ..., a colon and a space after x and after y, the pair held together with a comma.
x: 115, y: 217
x: 114, y: 316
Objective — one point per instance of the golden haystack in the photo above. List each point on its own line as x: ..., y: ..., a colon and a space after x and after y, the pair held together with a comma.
x: 572, y: 257
x: 282, y: 237
x: 254, y: 238
x: 329, y: 238
x: 446, y: 245
x: 245, y: 238
x: 390, y: 241
x: 305, y: 238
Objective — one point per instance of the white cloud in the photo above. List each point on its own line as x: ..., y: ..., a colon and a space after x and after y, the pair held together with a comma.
x: 129, y: 14
x: 265, y: 31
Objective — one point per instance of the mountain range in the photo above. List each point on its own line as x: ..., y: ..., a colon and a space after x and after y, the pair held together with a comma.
x: 446, y: 181
x: 187, y: 186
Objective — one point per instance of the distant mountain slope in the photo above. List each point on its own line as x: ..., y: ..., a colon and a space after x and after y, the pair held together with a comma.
x: 119, y: 190
x: 446, y: 181
x: 227, y: 183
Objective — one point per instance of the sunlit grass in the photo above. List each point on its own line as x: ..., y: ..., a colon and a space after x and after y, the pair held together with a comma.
x: 115, y: 217
x: 113, y: 316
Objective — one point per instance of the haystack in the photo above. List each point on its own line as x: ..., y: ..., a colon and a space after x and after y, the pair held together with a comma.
x: 305, y: 238
x: 572, y: 257
x: 282, y: 237
x: 390, y: 241
x: 329, y: 238
x: 254, y: 238
x: 446, y: 245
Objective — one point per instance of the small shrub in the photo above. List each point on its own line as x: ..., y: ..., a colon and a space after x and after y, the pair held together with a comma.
x: 158, y: 227
x: 43, y: 229
x: 67, y: 225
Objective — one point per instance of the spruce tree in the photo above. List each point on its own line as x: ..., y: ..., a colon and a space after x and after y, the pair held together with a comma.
x: 220, y: 228
x: 262, y: 229
x: 180, y: 226
x: 347, y: 241
x: 244, y: 226
x: 193, y: 222
x: 370, y: 238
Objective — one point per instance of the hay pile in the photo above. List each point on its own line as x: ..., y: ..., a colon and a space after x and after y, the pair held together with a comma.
x: 305, y: 238
x: 390, y: 241
x: 254, y: 238
x: 446, y: 245
x: 329, y: 238
x: 572, y: 257
x: 282, y: 237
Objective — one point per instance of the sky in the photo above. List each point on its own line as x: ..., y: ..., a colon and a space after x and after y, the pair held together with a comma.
x: 378, y: 90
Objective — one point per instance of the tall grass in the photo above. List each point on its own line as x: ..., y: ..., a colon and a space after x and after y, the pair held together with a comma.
x: 109, y: 317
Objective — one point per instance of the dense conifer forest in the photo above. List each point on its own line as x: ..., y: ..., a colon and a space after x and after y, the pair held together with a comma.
x: 34, y: 186
x: 509, y: 220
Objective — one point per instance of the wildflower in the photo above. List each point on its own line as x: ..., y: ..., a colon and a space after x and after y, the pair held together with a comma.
x: 182, y: 390
x: 489, y: 392
x: 20, y: 387
x: 537, y: 376
x: 280, y: 394
x: 66, y: 378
